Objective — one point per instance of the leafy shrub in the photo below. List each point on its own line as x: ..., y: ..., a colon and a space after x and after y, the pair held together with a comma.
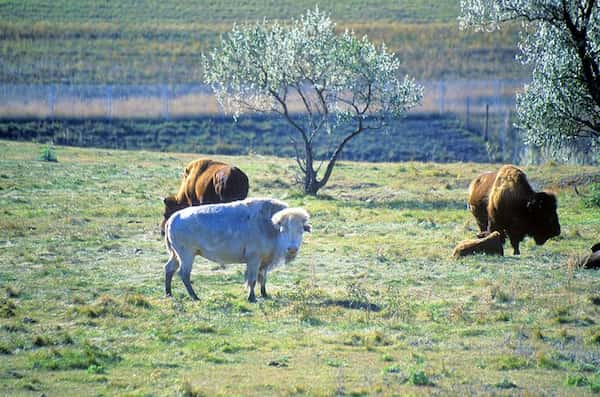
x: 507, y: 363
x: 391, y: 369
x: 96, y: 369
x: 138, y: 300
x: 41, y: 340
x: 506, y: 384
x: 105, y: 306
x: 73, y: 358
x: 548, y: 361
x: 576, y: 380
x: 7, y: 308
x: 11, y: 292
x: 5, y: 348
x: 386, y: 357
x: 335, y: 363
x: 419, y: 378
x: 48, y: 154
x: 595, y: 384
x: 593, y: 199
x: 594, y: 336
x: 185, y: 389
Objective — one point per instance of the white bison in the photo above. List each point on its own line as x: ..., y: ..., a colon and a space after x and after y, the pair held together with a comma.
x: 262, y: 233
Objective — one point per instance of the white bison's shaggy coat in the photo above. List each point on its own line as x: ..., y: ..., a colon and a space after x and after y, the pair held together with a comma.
x: 262, y: 233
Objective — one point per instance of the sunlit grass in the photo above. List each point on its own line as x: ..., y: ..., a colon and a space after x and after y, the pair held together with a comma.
x: 374, y: 303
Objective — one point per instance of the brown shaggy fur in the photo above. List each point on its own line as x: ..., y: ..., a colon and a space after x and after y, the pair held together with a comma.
x: 516, y: 210
x: 206, y: 181
x: 479, y: 191
x: 593, y: 261
x: 492, y: 244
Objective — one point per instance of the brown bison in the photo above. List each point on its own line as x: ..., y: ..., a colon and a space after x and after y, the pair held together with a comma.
x: 206, y: 181
x: 479, y: 191
x: 505, y: 202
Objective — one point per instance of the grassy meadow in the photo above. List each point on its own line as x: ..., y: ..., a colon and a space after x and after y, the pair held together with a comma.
x: 373, y: 305
x: 151, y: 41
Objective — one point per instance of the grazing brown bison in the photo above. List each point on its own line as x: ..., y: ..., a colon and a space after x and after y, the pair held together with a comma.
x: 513, y: 207
x: 206, y: 181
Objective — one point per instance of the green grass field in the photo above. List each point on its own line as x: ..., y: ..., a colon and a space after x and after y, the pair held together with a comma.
x: 148, y: 11
x: 374, y: 304
x: 153, y: 41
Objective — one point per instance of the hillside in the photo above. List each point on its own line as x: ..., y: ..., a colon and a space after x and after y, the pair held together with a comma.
x: 373, y: 305
x: 151, y: 41
x: 439, y: 138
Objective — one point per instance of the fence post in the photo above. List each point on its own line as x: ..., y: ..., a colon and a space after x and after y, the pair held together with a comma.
x: 467, y: 121
x: 487, y: 122
x: 517, y: 142
x: 165, y: 99
x: 442, y: 93
x: 108, y: 93
x: 503, y: 133
x: 51, y: 100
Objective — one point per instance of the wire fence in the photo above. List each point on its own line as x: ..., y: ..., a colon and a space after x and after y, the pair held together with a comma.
x: 484, y: 107
x: 166, y: 101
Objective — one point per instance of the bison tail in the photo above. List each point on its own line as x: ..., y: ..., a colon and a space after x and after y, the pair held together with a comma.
x: 168, y: 242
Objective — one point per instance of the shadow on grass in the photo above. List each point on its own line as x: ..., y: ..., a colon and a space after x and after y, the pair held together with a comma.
x: 353, y: 304
x: 398, y: 203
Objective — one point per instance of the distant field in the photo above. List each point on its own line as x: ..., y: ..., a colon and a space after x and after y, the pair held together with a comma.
x: 374, y: 304
x: 152, y: 41
x: 211, y: 11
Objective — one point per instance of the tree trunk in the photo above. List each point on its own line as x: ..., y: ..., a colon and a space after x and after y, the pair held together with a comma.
x: 311, y: 185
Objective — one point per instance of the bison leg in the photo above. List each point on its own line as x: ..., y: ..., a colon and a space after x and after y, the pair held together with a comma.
x: 186, y: 270
x: 514, y: 241
x: 251, y: 275
x: 170, y: 269
x: 481, y: 216
x: 262, y: 280
x: 251, y: 295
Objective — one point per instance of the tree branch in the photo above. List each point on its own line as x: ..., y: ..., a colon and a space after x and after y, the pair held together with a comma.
x: 589, y: 67
x: 337, y: 152
x: 301, y: 164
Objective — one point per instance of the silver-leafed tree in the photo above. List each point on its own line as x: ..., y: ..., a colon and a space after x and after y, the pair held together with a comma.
x: 560, y: 40
x: 318, y: 80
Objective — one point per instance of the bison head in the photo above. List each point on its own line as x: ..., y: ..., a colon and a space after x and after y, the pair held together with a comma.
x: 545, y: 225
x: 291, y: 223
x: 172, y: 205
